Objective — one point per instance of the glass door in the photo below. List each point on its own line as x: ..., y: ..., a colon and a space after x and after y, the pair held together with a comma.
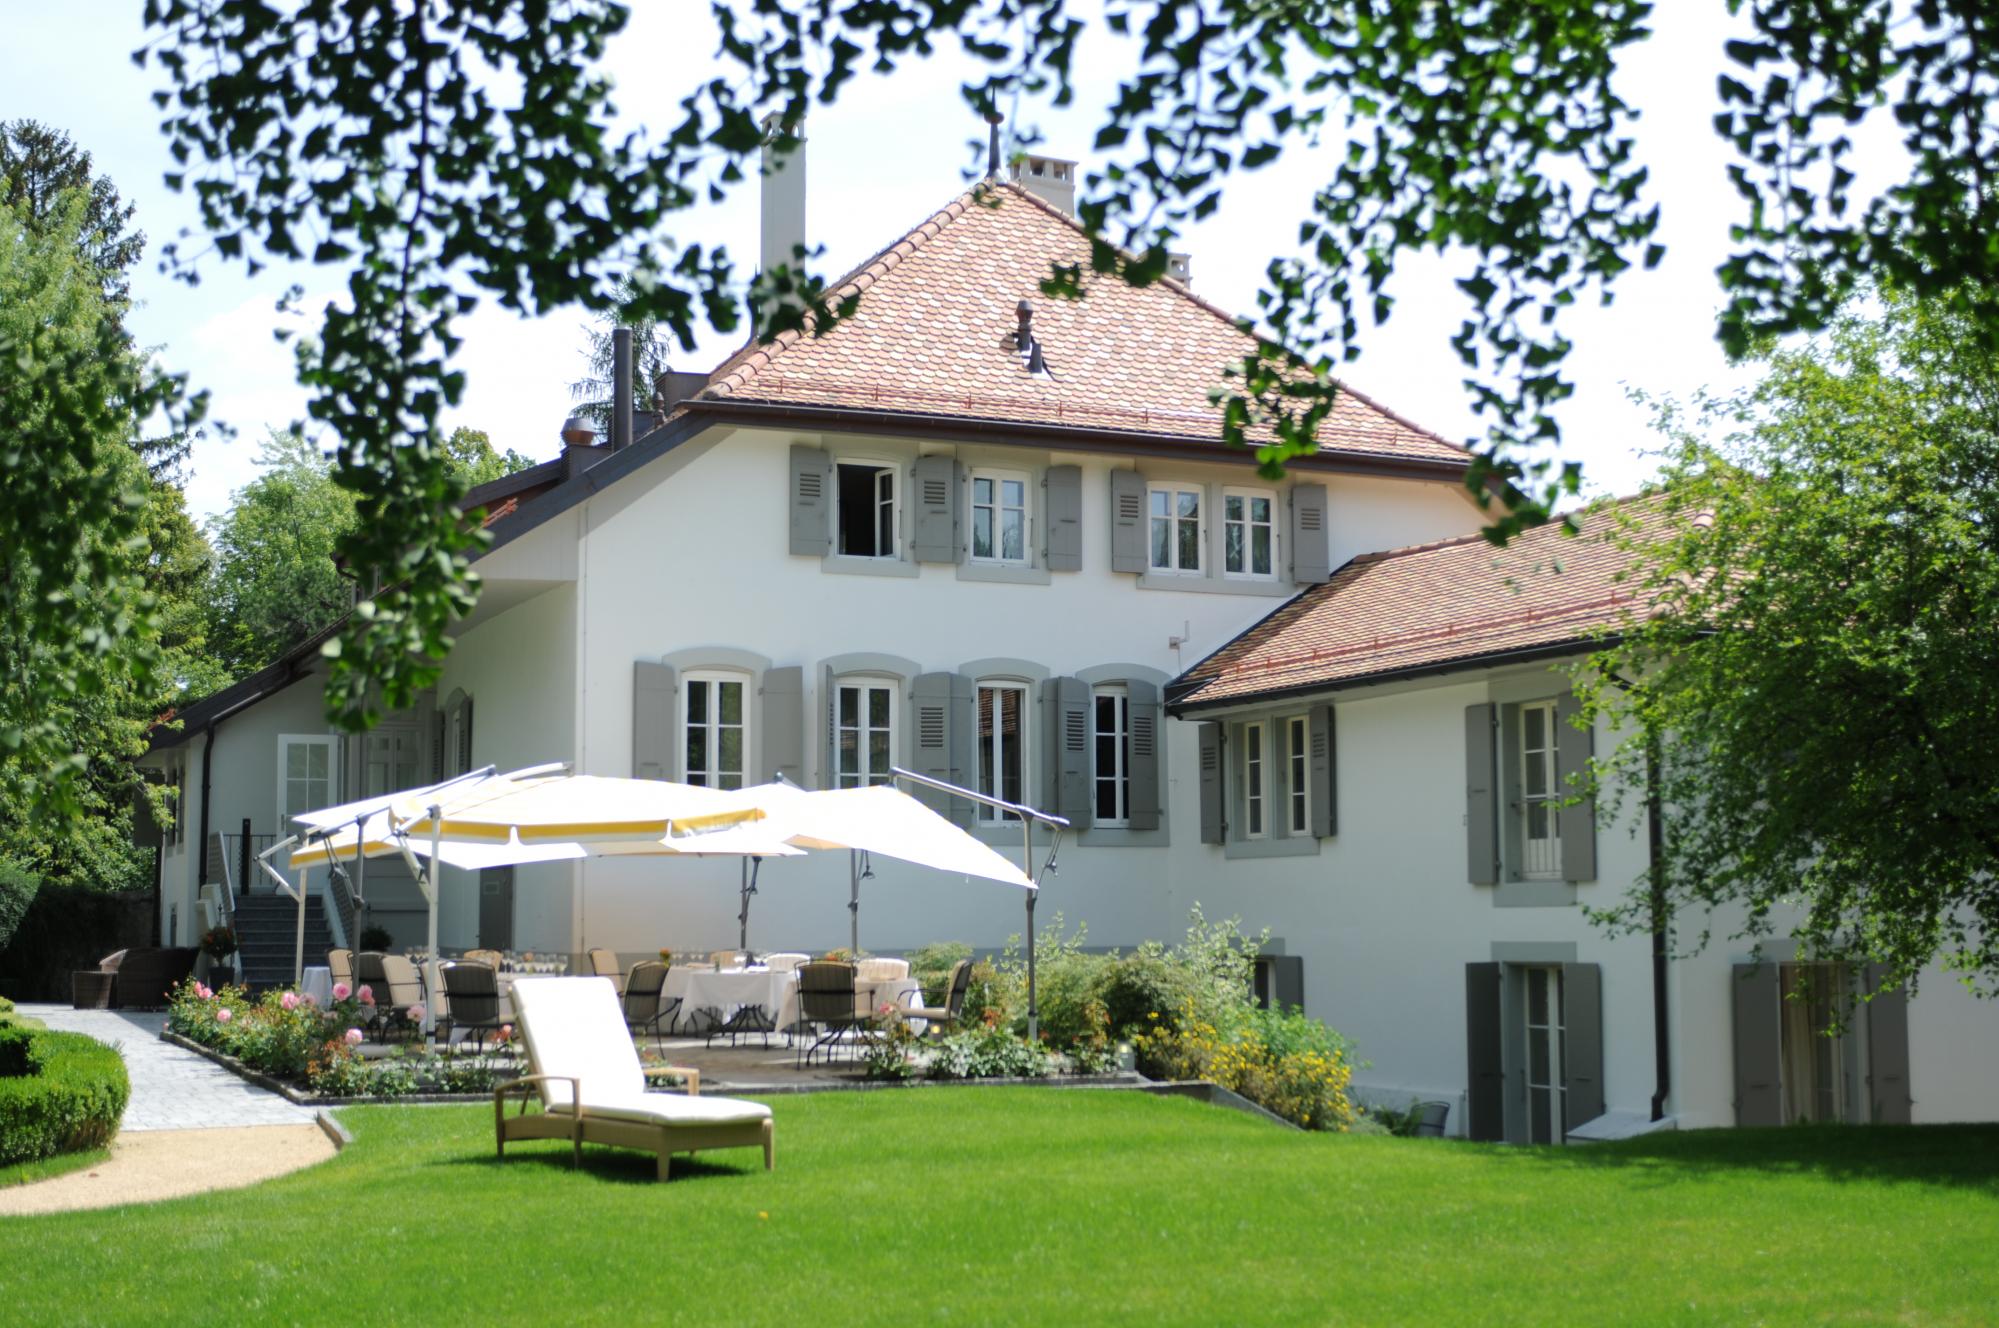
x: 1547, y: 1110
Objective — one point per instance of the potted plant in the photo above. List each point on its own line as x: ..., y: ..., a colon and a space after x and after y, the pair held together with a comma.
x: 218, y: 943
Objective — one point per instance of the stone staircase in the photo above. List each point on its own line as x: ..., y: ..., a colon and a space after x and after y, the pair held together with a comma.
x: 267, y: 935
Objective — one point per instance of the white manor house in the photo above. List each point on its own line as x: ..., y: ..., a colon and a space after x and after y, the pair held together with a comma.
x: 996, y: 537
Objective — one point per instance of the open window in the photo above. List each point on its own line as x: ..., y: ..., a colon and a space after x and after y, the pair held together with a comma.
x: 1001, y: 710
x: 865, y: 512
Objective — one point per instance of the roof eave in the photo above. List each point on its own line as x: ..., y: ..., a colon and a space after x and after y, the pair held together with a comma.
x: 1460, y: 664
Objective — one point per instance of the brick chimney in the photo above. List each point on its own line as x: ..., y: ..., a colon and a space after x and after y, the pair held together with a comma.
x: 1050, y: 179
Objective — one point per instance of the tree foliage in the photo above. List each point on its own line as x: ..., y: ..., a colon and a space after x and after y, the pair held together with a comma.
x: 474, y: 460
x: 1815, y: 676
x: 442, y: 152
x: 595, y: 392
x: 40, y: 170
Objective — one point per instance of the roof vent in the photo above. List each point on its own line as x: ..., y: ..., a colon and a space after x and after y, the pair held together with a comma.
x: 1180, y: 267
x: 1028, y: 344
x: 1050, y: 179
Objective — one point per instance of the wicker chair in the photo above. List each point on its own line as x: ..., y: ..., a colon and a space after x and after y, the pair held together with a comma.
x: 786, y: 961
x: 722, y: 959
x: 490, y: 958
x: 881, y: 970
x: 946, y: 1016
x: 646, y: 1003
x: 604, y: 964
x: 825, y: 1002
x: 340, y: 965
x: 474, y: 993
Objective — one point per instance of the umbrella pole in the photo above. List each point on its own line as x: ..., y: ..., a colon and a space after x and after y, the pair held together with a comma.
x: 298, y: 950
x: 1027, y: 860
x: 431, y: 989
x: 853, y: 902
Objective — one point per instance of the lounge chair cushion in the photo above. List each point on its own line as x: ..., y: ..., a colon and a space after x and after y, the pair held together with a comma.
x: 575, y: 1028
x: 672, y: 1109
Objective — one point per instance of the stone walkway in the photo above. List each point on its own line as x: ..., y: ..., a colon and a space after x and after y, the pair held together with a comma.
x: 172, y: 1089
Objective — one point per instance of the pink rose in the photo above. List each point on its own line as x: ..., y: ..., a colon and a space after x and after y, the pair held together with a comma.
x: 289, y: 1000
x: 506, y: 1032
x: 309, y: 999
x: 341, y: 991
x: 223, y: 1016
x: 366, y: 995
x: 353, y: 1037
x: 202, y: 992
x: 416, y: 1014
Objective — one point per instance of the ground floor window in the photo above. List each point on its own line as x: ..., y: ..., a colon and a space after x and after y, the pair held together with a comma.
x: 1547, y: 1106
x: 864, y: 728
x: 717, y: 736
x: 1002, y: 744
x: 1110, y: 753
x: 1255, y: 783
x: 305, y: 775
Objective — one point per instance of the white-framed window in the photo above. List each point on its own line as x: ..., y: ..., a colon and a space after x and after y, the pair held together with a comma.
x: 1255, y: 783
x: 1249, y: 532
x: 393, y: 757
x: 1176, y: 528
x: 1110, y: 755
x: 999, y: 517
x: 1547, y: 1104
x: 1002, y: 744
x: 1298, y: 775
x: 865, y: 498
x: 1540, y: 793
x: 305, y: 775
x: 715, y: 741
x: 863, y: 733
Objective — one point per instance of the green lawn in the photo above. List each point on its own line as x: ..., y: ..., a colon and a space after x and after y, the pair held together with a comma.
x: 1050, y: 1206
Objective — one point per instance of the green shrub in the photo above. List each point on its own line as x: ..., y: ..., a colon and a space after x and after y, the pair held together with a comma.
x: 992, y: 996
x: 59, y: 1093
x: 18, y: 887
x: 988, y: 1053
x: 931, y: 966
x: 6, y: 1006
x: 1147, y: 982
x: 376, y: 937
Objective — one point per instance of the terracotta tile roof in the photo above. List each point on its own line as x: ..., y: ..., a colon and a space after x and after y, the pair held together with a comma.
x: 1431, y: 606
x: 934, y: 334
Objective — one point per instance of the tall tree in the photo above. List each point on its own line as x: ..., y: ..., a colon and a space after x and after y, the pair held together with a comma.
x: 474, y: 460
x: 1492, y: 130
x: 40, y: 169
x: 276, y: 578
x: 595, y: 391
x: 1811, y: 695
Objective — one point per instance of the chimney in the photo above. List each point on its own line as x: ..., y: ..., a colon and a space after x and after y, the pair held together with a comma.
x: 673, y: 387
x: 1180, y: 267
x: 621, y: 388
x: 1050, y: 179
x: 783, y: 167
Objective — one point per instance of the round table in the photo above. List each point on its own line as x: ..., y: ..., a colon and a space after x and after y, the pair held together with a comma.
x: 318, y: 984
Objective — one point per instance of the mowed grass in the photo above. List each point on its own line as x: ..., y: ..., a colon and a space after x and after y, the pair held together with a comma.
x: 1050, y: 1206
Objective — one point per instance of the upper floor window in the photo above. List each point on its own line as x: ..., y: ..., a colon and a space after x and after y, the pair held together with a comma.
x: 999, y: 517
x: 1175, y: 528
x: 1249, y: 533
x: 305, y: 775
x: 1110, y: 755
x: 1002, y: 744
x: 717, y: 737
x: 1540, y: 793
x: 1298, y: 774
x: 1255, y: 783
x: 865, y: 500
x: 864, y: 734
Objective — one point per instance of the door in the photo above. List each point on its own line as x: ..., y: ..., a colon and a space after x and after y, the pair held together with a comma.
x: 1546, y: 1078
x: 496, y: 908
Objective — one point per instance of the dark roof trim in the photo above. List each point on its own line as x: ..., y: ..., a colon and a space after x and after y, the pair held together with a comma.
x: 273, y: 678
x: 1462, y: 664
x: 954, y: 428
x: 493, y: 492
x: 577, y: 488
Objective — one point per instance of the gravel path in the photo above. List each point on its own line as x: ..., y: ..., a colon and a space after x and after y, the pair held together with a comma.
x: 165, y: 1164
x: 173, y: 1089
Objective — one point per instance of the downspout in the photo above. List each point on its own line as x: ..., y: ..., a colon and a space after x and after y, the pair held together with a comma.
x: 201, y: 843
x: 1656, y: 877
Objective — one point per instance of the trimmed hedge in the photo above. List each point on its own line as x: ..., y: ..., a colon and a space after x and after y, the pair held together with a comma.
x: 59, y: 1092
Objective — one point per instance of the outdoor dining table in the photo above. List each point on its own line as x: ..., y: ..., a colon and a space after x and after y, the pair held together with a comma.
x: 317, y: 983
x: 728, y: 991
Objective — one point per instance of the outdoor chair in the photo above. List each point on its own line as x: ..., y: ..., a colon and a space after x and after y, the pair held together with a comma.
x: 786, y: 961
x: 942, y: 1018
x: 474, y: 994
x: 825, y: 1002
x: 586, y: 1074
x: 400, y: 987
x: 646, y: 1003
x: 368, y: 972
x: 604, y: 964
x: 881, y: 970
x: 726, y: 958
x: 340, y: 967
x: 490, y: 958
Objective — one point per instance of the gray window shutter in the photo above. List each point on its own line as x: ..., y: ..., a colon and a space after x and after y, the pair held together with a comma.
x: 811, y: 501
x: 1127, y: 521
x: 930, y: 711
x: 1311, y: 544
x: 829, y: 733
x: 1481, y: 795
x: 1323, y: 754
x: 1485, y: 1071
x: 1213, y: 826
x: 934, y: 501
x: 1065, y: 703
x: 1147, y: 721
x: 1577, y: 824
x: 1887, y: 1053
x: 964, y: 739
x: 1062, y: 519
x: 1758, y: 1045
x: 1582, y: 1043
x: 783, y: 720
x: 653, y: 702
x: 465, y: 735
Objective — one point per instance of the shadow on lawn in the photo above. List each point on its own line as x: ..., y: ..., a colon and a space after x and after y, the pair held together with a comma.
x: 624, y: 1166
x: 1957, y: 1156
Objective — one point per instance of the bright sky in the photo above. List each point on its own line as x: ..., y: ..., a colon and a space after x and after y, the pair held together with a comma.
x: 888, y: 154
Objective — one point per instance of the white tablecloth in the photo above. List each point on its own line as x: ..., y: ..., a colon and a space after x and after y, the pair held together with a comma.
x: 318, y: 984
x: 729, y: 990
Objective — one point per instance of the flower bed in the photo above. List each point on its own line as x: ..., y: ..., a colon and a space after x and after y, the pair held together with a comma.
x: 59, y: 1093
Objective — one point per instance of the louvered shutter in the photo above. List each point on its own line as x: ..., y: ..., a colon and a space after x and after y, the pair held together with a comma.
x: 1582, y: 1043
x: 1481, y: 795
x: 1062, y: 519
x: 653, y: 702
x: 1127, y: 521
x: 783, y: 721
x: 934, y: 536
x: 1887, y: 1053
x: 1485, y: 1071
x: 964, y: 741
x: 1311, y: 543
x: 1213, y: 826
x: 1758, y: 1045
x: 464, y: 735
x: 1323, y: 754
x: 930, y: 710
x: 1147, y: 721
x: 1066, y: 705
x: 1577, y: 824
x: 829, y: 730
x: 811, y: 497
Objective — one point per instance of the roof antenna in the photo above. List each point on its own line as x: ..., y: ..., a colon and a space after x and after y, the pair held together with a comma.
x: 994, y: 119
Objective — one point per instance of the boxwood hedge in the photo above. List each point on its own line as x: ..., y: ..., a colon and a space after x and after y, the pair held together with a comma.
x: 59, y: 1092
